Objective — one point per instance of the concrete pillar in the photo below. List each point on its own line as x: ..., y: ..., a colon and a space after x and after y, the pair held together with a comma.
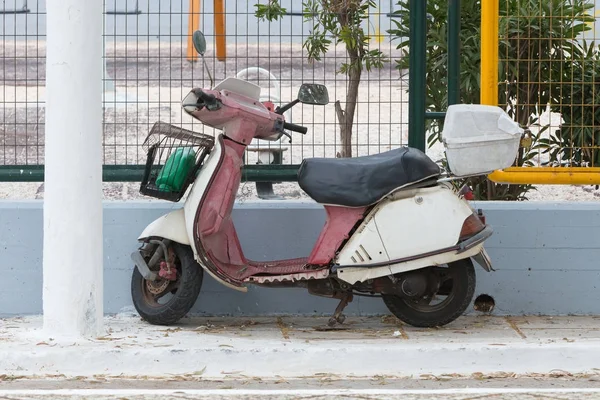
x: 72, y: 264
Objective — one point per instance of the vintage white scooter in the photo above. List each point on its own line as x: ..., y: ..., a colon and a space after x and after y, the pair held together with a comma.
x: 395, y: 226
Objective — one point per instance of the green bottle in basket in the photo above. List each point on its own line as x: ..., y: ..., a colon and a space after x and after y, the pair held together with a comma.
x: 172, y: 175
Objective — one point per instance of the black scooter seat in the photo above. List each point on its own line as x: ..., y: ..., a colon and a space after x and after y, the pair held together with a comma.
x: 363, y: 181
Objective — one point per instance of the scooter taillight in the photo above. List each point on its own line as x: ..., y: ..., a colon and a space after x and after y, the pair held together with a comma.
x: 270, y: 106
x: 471, y: 226
x: 466, y: 192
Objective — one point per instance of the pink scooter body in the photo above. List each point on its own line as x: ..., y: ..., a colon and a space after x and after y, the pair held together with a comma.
x: 215, y: 237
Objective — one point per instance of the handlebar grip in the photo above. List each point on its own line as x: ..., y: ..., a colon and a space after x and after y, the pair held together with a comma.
x: 295, y: 128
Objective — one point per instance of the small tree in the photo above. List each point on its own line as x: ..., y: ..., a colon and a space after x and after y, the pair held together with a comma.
x: 339, y: 22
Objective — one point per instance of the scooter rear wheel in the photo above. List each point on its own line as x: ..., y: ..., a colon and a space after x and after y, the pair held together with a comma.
x: 458, y: 289
x: 164, y: 302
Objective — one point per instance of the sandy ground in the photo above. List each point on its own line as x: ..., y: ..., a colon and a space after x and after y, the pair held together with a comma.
x: 150, y: 85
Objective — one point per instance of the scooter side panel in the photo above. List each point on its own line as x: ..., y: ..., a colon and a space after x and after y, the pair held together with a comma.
x: 353, y: 275
x: 426, y: 222
x: 408, y: 224
x: 364, y: 247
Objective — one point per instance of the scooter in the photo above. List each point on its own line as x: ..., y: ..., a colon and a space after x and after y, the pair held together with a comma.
x: 395, y: 228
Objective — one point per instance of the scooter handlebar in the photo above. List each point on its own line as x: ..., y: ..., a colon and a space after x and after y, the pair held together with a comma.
x: 295, y: 128
x: 205, y: 97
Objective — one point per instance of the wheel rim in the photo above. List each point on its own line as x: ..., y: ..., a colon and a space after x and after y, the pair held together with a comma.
x: 161, y: 292
x: 434, y: 300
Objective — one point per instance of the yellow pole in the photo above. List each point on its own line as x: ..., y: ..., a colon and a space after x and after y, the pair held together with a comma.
x: 547, y: 176
x: 489, y: 64
x: 220, y: 30
x: 489, y: 52
x: 193, y: 25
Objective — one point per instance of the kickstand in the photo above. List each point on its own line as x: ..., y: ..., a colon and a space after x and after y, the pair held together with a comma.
x: 338, y: 317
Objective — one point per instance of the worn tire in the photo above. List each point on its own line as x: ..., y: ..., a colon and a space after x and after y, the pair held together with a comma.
x: 183, y: 299
x: 463, y: 294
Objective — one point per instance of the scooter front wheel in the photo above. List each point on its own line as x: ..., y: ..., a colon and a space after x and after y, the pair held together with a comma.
x: 164, y: 302
x: 454, y: 288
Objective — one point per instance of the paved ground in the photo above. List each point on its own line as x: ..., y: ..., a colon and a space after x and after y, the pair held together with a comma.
x: 560, y: 386
x: 158, y: 63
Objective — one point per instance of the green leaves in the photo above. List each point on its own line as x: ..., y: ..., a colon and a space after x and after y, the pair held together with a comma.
x: 316, y: 45
x: 375, y: 59
x: 339, y: 21
x: 270, y: 12
x: 566, y: 75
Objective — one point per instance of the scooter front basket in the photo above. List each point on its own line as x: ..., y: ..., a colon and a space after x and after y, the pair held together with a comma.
x: 175, y: 155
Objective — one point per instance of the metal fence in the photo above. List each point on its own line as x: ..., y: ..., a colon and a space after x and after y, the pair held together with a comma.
x: 149, y: 68
x: 549, y: 58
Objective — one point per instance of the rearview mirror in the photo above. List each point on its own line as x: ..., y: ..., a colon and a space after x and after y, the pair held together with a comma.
x: 312, y: 93
x: 200, y: 45
x: 199, y: 42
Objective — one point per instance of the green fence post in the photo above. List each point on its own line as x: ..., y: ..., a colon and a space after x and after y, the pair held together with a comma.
x: 416, y: 74
x: 453, y: 52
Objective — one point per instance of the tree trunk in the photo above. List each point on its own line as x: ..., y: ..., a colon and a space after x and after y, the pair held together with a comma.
x: 346, y: 117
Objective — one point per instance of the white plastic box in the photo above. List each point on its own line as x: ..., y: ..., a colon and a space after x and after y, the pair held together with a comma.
x: 479, y: 139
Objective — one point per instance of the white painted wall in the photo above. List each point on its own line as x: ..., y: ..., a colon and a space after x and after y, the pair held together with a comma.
x: 545, y: 254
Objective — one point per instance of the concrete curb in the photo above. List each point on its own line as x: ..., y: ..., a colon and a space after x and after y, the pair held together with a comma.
x: 293, y: 347
x: 393, y: 359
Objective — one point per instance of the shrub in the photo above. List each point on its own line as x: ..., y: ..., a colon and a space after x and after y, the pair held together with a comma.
x: 538, y: 46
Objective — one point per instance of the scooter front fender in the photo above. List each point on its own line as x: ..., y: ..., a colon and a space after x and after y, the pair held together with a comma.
x: 170, y: 226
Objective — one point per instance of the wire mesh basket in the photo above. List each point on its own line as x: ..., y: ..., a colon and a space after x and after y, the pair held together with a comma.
x: 175, y: 156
